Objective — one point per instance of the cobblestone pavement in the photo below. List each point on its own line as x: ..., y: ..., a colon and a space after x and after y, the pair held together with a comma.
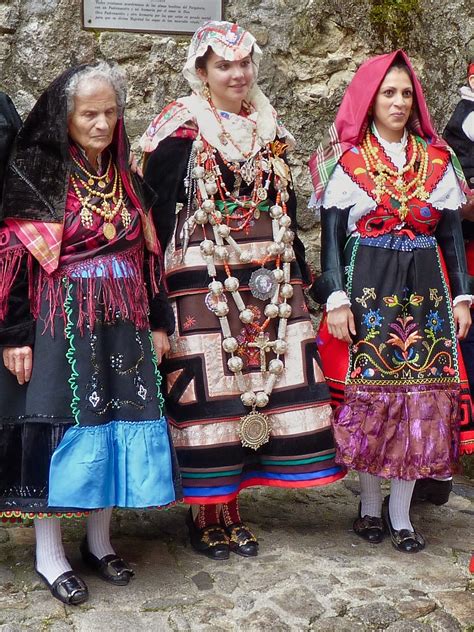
x: 313, y: 573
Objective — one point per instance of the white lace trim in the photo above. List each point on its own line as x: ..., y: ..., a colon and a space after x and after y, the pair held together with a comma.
x: 463, y: 298
x: 342, y: 192
x: 337, y: 299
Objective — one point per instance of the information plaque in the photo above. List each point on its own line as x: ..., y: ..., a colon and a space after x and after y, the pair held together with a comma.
x: 150, y: 16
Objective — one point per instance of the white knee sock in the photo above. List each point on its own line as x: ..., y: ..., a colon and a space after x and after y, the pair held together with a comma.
x: 98, y: 533
x: 50, y: 557
x: 399, y: 506
x: 370, y: 495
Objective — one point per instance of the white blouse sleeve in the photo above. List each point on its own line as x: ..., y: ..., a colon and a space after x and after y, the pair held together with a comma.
x: 447, y: 194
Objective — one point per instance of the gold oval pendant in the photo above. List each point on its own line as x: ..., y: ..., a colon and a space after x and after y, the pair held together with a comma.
x: 254, y: 430
x: 109, y: 230
x: 102, y: 184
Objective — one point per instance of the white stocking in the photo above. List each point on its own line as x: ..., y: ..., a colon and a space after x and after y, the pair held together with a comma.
x: 98, y: 533
x: 399, y: 506
x: 50, y: 556
x: 370, y: 495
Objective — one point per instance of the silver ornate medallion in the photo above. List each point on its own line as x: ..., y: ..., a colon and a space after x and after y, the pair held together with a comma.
x: 211, y: 301
x: 248, y: 171
x: 262, y: 284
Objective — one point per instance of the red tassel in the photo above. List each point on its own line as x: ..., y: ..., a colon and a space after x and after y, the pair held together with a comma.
x: 10, y: 262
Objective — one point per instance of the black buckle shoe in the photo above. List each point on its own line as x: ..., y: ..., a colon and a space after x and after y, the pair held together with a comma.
x: 403, y: 540
x: 241, y: 540
x: 211, y: 541
x: 68, y: 588
x: 111, y: 568
x: 432, y: 491
x: 370, y: 528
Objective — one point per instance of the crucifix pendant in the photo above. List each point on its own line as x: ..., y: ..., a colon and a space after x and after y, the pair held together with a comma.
x: 263, y: 344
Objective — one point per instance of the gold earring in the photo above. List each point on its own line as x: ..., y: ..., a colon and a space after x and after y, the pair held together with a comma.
x: 206, y: 93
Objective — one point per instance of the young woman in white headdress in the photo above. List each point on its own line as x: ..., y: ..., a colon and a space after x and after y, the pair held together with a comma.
x: 244, y: 390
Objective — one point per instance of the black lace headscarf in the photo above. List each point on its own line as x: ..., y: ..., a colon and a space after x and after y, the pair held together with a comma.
x: 37, y: 178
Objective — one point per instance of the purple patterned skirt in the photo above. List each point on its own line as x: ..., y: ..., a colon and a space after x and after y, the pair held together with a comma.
x: 400, y: 415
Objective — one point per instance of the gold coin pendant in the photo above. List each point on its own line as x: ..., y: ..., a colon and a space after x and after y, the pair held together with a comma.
x: 102, y: 184
x: 109, y: 230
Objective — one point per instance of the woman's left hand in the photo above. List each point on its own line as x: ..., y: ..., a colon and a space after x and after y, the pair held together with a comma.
x: 462, y: 319
x: 134, y: 166
x: 160, y: 343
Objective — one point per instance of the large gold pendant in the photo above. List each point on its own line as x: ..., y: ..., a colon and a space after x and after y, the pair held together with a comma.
x: 254, y: 430
x: 109, y: 230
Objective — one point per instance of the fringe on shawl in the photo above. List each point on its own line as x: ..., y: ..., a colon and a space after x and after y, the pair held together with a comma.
x: 103, y: 288
x: 10, y: 264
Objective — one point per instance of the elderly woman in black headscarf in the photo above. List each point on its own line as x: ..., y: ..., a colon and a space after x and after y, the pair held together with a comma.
x: 81, y: 413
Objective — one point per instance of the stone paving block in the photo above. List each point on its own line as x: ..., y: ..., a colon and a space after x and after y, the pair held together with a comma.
x: 415, y: 607
x: 265, y: 620
x: 96, y: 620
x: 459, y: 604
x: 336, y: 624
x: 441, y: 621
x: 300, y: 602
x: 378, y: 615
x: 408, y: 626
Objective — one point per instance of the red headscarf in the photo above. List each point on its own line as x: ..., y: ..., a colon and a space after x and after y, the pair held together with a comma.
x: 470, y: 70
x: 353, y: 118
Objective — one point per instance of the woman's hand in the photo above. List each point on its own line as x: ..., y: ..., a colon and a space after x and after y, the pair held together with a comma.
x: 462, y: 319
x: 467, y: 211
x: 341, y: 323
x: 134, y: 166
x: 160, y: 343
x: 19, y: 361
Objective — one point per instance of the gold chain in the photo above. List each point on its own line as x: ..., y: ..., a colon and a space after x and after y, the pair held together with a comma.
x: 104, y: 209
x: 392, y: 182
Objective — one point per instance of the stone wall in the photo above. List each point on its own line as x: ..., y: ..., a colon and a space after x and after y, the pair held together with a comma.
x: 311, y: 49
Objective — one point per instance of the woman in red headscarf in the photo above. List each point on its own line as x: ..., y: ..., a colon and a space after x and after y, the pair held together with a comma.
x: 396, y: 289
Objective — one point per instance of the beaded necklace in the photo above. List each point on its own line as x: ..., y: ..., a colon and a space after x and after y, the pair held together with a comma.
x: 109, y: 204
x: 395, y: 182
x: 225, y: 137
x: 273, y: 286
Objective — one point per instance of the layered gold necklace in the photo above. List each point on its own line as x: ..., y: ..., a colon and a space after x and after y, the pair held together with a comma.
x: 108, y: 204
x: 394, y: 182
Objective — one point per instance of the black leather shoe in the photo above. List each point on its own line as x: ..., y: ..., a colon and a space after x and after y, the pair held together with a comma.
x: 211, y: 541
x: 68, y: 588
x: 110, y: 568
x: 403, y: 540
x: 432, y: 491
x: 241, y: 540
x: 370, y: 528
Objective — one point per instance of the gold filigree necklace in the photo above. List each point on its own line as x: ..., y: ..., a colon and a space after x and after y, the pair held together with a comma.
x: 110, y: 204
x: 393, y: 182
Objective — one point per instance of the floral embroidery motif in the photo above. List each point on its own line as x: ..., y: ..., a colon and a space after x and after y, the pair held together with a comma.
x: 398, y: 350
x: 373, y: 319
x: 434, y: 323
